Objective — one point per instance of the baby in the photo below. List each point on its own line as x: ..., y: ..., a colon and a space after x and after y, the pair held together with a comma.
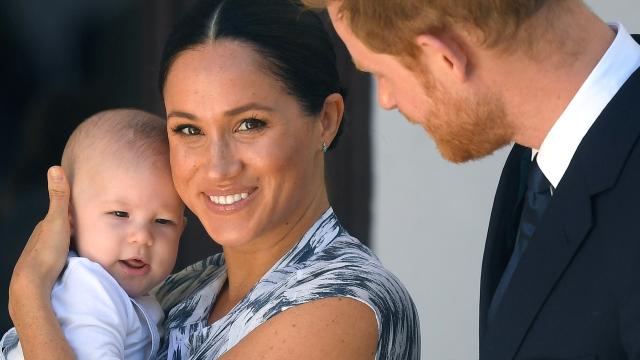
x: 126, y: 221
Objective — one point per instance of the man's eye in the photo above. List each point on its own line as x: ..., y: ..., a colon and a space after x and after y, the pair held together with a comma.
x: 164, y: 221
x: 187, y: 130
x: 122, y: 214
x: 251, y: 124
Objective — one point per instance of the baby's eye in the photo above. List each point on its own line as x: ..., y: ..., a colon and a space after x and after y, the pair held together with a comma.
x: 164, y: 221
x: 251, y: 124
x: 187, y: 130
x: 122, y: 214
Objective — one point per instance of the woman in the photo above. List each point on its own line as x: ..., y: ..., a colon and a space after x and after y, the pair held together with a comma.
x: 253, y: 101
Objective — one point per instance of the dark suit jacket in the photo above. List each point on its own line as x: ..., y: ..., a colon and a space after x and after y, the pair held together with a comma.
x: 576, y: 291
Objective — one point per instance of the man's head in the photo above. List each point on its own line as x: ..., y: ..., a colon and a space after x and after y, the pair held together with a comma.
x: 426, y: 57
x: 494, y: 22
x: 125, y: 212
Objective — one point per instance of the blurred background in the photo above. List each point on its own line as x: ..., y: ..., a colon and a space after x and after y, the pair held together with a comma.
x: 425, y: 218
x: 66, y: 60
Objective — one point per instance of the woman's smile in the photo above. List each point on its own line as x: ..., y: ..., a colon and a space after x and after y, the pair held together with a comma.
x: 231, y: 202
x: 228, y: 199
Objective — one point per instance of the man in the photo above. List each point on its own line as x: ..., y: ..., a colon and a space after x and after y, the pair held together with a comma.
x: 561, y: 269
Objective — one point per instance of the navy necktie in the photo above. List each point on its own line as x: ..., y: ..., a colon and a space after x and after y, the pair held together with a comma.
x: 536, y: 199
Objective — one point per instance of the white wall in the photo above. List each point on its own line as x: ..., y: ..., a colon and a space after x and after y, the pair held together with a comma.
x: 430, y: 219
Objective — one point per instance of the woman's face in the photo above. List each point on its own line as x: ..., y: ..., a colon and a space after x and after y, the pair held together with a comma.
x: 244, y: 156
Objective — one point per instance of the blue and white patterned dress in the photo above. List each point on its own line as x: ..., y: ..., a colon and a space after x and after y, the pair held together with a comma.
x: 327, y: 262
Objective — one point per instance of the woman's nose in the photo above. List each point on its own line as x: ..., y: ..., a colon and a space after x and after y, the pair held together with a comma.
x: 223, y: 160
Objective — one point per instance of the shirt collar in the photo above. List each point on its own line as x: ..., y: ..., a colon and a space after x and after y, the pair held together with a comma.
x: 612, y: 71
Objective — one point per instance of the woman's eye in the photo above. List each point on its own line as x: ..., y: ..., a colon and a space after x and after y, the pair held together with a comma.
x: 122, y: 214
x: 164, y: 221
x: 251, y: 124
x: 187, y: 130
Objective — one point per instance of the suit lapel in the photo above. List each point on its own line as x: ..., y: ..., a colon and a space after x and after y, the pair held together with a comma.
x: 547, y: 256
x: 595, y: 167
x: 503, y: 225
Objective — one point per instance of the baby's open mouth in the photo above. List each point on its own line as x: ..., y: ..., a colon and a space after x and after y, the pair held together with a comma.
x: 134, y: 263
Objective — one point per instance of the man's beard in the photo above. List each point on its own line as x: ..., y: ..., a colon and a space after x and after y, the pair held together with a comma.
x: 464, y: 128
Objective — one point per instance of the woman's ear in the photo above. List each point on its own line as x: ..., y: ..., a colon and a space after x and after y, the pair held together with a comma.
x: 331, y: 117
x: 444, y: 55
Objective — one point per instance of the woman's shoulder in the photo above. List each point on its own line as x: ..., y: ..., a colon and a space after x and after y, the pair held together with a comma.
x: 344, y: 268
x: 347, y: 268
x: 180, y: 285
x: 347, y: 261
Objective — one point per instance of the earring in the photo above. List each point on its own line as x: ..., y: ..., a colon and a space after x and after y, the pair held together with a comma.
x: 325, y: 147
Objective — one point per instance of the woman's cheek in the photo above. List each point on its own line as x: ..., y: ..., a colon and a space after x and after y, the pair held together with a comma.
x: 183, y: 165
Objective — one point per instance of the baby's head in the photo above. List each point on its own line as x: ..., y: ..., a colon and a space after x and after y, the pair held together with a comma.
x: 125, y: 213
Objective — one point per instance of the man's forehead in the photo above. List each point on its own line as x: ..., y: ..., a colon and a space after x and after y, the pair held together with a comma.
x: 346, y: 34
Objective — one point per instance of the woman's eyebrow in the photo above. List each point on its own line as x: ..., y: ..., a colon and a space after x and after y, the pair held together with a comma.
x: 247, y: 107
x: 181, y: 114
x: 228, y: 113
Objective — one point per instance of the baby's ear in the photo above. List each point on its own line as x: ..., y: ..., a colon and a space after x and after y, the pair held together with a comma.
x: 72, y: 242
x: 71, y: 219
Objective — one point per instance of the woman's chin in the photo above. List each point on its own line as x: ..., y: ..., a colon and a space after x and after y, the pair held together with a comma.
x: 229, y: 238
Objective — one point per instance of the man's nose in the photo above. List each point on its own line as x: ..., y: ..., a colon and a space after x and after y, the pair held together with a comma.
x: 385, y: 97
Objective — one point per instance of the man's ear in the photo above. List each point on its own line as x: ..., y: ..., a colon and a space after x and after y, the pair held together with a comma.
x: 444, y: 55
x: 332, y: 113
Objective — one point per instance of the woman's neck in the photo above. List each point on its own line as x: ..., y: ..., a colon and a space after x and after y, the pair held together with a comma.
x: 246, y: 265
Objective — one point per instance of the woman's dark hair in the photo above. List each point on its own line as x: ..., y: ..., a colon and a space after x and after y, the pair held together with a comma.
x: 292, y: 40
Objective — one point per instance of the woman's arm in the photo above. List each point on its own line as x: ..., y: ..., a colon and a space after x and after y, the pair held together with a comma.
x: 331, y: 328
x: 36, y: 271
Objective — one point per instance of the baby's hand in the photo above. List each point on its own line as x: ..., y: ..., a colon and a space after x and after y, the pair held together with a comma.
x: 45, y: 253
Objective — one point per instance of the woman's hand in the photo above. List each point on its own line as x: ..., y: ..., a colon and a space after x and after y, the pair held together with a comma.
x: 35, y: 273
x: 46, y: 251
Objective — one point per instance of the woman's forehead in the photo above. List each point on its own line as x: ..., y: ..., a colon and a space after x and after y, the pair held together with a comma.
x: 221, y: 76
x: 223, y: 59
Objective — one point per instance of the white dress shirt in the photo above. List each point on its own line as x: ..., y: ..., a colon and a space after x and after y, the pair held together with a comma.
x: 612, y: 71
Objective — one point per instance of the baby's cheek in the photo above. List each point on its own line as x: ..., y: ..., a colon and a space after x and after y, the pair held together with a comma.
x: 166, y: 255
x: 102, y: 255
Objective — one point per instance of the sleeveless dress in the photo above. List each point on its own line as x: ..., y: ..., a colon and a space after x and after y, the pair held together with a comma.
x: 325, y: 263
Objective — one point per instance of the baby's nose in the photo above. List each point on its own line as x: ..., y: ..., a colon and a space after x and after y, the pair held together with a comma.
x: 141, y: 235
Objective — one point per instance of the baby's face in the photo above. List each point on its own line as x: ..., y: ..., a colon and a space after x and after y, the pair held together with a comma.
x: 128, y: 218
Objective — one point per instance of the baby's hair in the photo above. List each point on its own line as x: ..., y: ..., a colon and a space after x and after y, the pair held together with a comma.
x: 128, y: 134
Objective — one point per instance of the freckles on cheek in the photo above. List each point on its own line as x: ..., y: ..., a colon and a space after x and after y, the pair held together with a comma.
x: 181, y: 167
x: 286, y: 161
